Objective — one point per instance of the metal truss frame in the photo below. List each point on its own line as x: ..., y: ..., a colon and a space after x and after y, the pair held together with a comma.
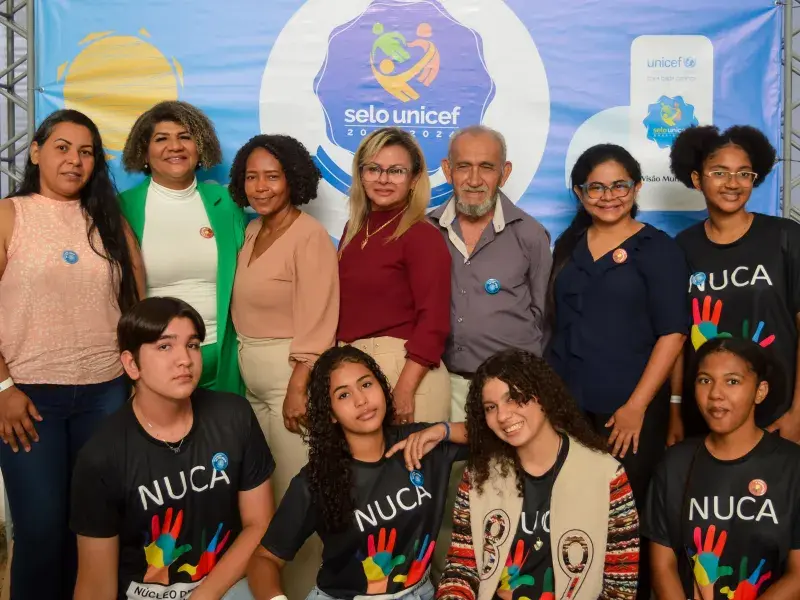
x: 17, y: 87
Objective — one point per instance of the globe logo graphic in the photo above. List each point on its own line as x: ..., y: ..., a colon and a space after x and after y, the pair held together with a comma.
x: 690, y: 61
x: 115, y: 78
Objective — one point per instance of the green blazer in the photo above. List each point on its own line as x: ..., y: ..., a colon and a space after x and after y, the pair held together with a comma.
x: 228, y: 222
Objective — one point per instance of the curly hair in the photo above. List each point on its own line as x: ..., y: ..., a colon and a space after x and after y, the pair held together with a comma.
x: 694, y: 145
x: 302, y: 175
x: 529, y: 378
x: 199, y: 126
x: 330, y: 477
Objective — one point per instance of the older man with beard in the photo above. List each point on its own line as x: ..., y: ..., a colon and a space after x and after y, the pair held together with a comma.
x: 501, y: 260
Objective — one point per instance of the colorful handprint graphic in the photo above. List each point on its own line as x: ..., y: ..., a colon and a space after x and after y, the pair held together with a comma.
x: 706, y: 324
x: 379, y: 562
x: 707, y: 569
x: 209, y: 557
x: 511, y: 577
x: 420, y: 564
x: 757, y: 335
x: 748, y: 586
x: 548, y: 589
x: 163, y: 550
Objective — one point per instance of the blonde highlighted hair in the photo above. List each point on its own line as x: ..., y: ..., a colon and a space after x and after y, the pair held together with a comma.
x: 420, y: 194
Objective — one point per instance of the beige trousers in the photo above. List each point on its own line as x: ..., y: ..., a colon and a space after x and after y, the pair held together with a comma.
x: 432, y: 400
x: 458, y: 401
x: 265, y: 368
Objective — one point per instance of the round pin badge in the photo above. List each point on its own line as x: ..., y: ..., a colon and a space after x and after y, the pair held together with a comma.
x: 757, y: 487
x: 416, y: 478
x: 620, y: 256
x: 492, y: 286
x: 219, y: 461
x: 207, y: 232
x: 70, y: 257
x: 699, y: 279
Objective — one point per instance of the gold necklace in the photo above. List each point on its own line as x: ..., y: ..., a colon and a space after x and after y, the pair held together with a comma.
x: 175, y: 449
x: 369, y: 235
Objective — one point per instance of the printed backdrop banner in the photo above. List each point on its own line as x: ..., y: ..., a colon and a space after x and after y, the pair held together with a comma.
x: 554, y: 78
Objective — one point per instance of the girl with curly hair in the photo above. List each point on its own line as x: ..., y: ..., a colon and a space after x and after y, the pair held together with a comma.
x: 745, y: 268
x: 378, y: 513
x: 285, y: 305
x: 723, y: 514
x: 190, y: 232
x: 542, y: 511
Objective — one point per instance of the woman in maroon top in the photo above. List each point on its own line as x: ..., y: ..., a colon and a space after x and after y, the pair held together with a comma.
x: 394, y: 275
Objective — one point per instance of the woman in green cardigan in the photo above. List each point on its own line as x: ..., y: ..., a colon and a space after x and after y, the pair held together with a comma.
x: 193, y: 230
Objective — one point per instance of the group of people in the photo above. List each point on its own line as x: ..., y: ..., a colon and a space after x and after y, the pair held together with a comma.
x: 226, y: 407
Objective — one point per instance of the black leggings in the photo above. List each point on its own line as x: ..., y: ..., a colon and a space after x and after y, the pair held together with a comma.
x: 640, y: 467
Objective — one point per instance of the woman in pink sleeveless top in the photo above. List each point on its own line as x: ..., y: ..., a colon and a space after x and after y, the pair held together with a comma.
x: 68, y: 265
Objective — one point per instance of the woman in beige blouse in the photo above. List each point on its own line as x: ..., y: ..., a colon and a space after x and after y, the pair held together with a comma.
x: 285, y: 306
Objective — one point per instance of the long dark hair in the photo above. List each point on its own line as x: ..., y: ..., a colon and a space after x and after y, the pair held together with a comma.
x: 566, y: 242
x: 99, y: 203
x: 329, y: 455
x: 528, y: 378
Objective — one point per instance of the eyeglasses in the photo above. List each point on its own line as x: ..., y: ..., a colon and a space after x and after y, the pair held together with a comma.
x: 742, y: 177
x: 371, y: 173
x: 618, y: 189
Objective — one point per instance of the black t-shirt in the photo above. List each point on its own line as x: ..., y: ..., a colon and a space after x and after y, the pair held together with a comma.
x: 742, y: 516
x: 175, y: 513
x: 397, y: 515
x: 528, y: 572
x: 749, y: 289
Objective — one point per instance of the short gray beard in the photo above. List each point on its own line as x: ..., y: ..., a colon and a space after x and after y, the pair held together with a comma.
x: 476, y: 211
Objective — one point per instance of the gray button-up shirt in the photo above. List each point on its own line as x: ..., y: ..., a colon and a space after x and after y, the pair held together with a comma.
x: 514, y: 251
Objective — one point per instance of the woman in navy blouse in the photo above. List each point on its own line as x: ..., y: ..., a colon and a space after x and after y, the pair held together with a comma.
x: 618, y: 313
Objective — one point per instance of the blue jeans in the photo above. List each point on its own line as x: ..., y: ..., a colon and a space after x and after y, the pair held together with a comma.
x: 44, y: 563
x: 422, y: 591
x: 240, y: 591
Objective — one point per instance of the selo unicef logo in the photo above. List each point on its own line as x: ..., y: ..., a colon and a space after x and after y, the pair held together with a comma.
x: 407, y: 65
x: 667, y: 118
x: 339, y: 70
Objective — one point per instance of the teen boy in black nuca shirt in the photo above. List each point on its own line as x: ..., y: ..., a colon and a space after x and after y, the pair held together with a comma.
x: 172, y: 494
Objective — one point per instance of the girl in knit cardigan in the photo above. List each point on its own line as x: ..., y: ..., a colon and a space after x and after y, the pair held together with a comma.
x: 543, y: 512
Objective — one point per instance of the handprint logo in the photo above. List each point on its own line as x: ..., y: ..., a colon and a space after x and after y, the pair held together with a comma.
x: 420, y: 564
x: 392, y: 43
x: 757, y: 335
x: 706, y: 325
x: 379, y: 563
x: 748, y: 586
x: 209, y: 557
x: 548, y: 589
x: 707, y: 569
x: 511, y: 577
x: 163, y: 550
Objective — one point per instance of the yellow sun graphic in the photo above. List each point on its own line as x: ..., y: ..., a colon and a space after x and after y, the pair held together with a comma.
x: 115, y: 78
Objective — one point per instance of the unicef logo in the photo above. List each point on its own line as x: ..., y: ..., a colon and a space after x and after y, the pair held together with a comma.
x: 340, y: 70
x: 424, y: 72
x: 690, y: 61
x: 416, y: 478
x: 70, y: 257
x: 667, y: 118
x: 219, y: 461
